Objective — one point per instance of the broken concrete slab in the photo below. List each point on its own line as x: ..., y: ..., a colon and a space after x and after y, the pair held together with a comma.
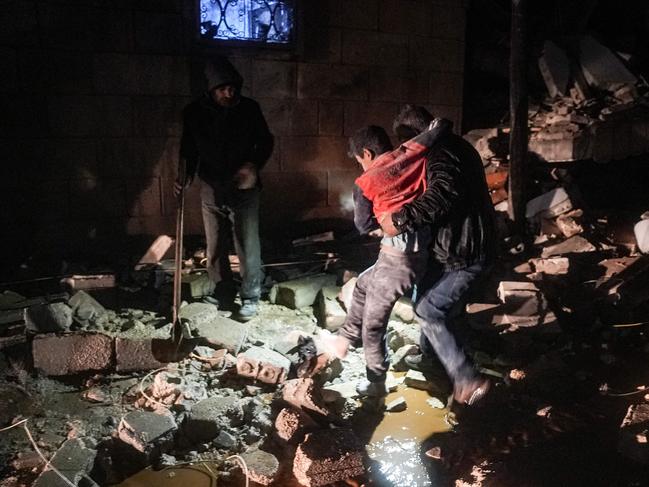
x: 203, y: 320
x: 568, y: 223
x: 601, y: 67
x: 263, y: 467
x: 303, y: 394
x: 521, y: 298
x: 132, y: 355
x: 71, y: 354
x: 74, y: 459
x: 633, y: 442
x: 149, y: 433
x: 398, y: 358
x: 574, y: 245
x: 209, y: 416
x: 555, y: 69
x: 345, y: 390
x: 291, y: 425
x: 397, y: 405
x: 301, y: 292
x: 552, y: 266
x: 85, y: 309
x: 91, y: 281
x: 48, y: 318
x: 197, y: 285
x: 264, y: 365
x: 417, y: 380
x: 328, y: 310
x: 401, y: 334
x: 328, y: 456
x: 549, y: 205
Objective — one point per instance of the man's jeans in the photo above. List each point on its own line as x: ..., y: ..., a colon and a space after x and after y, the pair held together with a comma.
x: 224, y: 209
x: 442, y: 291
x: 375, y: 293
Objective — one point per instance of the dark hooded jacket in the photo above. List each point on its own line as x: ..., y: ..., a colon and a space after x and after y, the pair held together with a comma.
x: 217, y: 141
x: 457, y: 205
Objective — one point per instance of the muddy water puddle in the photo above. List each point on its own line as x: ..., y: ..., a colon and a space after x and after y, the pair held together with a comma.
x: 394, y: 449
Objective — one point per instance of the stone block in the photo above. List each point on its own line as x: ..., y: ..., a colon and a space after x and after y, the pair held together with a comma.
x: 569, y: 224
x: 302, y: 292
x: 328, y: 456
x: 74, y: 460
x: 46, y: 318
x: 360, y: 14
x: 158, y: 116
x: 552, y: 266
x: 398, y: 358
x: 291, y: 425
x: 132, y: 355
x: 330, y: 118
x: 57, y: 72
x: 403, y: 310
x: 82, y: 116
x: 633, y: 442
x: 360, y: 114
x: 332, y: 82
x: 417, y: 380
x: 149, y: 433
x: 549, y: 205
x: 84, y: 307
x: 397, y: 405
x: 347, y: 291
x: 274, y: 79
x: 364, y: 48
x: 396, y: 85
x: 197, y: 285
x: 574, y: 244
x: 437, y: 54
x: 264, y: 365
x: 162, y: 75
x: 322, y: 45
x: 303, y: 394
x: 71, y: 354
x: 209, y: 416
x: 263, y: 467
x: 327, y: 310
x: 521, y: 298
x: 204, y: 321
x: 412, y: 17
x: 314, y: 154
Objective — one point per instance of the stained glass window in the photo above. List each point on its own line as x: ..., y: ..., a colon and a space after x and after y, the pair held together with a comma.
x: 267, y: 21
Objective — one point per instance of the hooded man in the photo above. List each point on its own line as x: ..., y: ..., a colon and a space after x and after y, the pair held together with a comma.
x: 226, y: 142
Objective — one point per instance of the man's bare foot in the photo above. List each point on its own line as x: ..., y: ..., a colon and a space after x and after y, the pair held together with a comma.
x: 333, y: 345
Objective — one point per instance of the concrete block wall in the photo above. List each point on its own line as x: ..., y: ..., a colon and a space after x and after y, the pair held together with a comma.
x: 92, y: 93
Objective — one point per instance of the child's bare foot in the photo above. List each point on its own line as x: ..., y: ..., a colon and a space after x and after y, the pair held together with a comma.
x: 333, y: 345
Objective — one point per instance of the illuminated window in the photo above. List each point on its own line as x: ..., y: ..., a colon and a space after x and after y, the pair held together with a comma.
x: 259, y: 21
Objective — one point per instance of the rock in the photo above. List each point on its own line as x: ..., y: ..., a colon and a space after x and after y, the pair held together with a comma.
x: 225, y: 440
x: 435, y: 403
x: 197, y: 285
x: 71, y: 354
x: 132, y: 355
x: 96, y: 395
x: 291, y: 425
x: 203, y: 320
x: 396, y: 406
x: 328, y: 456
x: 568, y: 223
x: 633, y: 442
x: 641, y: 231
x: 85, y: 308
x: 149, y: 433
x: 398, y: 357
x: 401, y: 334
x: 552, y: 266
x: 263, y: 364
x: 574, y: 244
x: 521, y: 298
x: 403, y: 310
x: 548, y: 205
x: 346, y: 390
x: 600, y: 65
x: 555, y: 69
x: 209, y: 416
x: 302, y: 292
x: 263, y: 467
x: 347, y: 291
x: 303, y: 394
x: 327, y: 310
x: 417, y: 380
x: 74, y: 460
x: 27, y: 461
x: 47, y: 318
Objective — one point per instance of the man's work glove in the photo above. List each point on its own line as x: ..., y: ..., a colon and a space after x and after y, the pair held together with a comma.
x: 246, y: 176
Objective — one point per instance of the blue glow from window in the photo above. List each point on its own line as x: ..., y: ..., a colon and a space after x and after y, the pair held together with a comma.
x: 270, y: 21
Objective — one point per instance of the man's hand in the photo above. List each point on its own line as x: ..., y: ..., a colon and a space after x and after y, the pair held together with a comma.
x: 378, y: 233
x: 389, y: 230
x: 178, y: 185
x: 246, y: 176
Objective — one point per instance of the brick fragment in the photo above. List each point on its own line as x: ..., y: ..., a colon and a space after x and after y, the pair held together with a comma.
x: 328, y: 456
x: 134, y: 355
x: 303, y: 394
x: 149, y: 433
x: 71, y: 354
x: 291, y: 425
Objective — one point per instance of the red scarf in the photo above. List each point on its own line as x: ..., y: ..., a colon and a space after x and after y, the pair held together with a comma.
x: 395, y: 178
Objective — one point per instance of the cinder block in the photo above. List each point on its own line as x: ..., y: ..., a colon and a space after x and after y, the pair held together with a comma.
x: 149, y: 433
x: 209, y: 416
x: 263, y: 467
x: 264, y: 365
x: 329, y: 312
x: 291, y: 425
x: 302, y: 292
x: 328, y: 456
x: 303, y: 394
x: 71, y: 354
